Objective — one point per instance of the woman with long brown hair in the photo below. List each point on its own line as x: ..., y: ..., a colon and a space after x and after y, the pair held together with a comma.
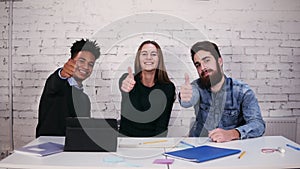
x: 147, y: 96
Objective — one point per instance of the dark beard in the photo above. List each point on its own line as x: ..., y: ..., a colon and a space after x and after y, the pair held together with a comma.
x: 208, y: 81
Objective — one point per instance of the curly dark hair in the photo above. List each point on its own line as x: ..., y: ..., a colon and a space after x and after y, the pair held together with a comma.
x: 85, y: 45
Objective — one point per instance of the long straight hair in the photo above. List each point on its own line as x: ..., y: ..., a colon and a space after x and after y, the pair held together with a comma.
x: 161, y: 75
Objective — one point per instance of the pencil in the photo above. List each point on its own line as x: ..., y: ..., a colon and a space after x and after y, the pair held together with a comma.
x: 157, y: 141
x: 187, y: 144
x: 242, y: 154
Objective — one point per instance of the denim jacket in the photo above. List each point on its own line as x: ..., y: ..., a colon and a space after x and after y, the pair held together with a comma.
x: 233, y: 107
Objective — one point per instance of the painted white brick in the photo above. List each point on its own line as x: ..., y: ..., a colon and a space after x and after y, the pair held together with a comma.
x: 29, y: 91
x: 44, y: 67
x: 291, y: 105
x: 268, y: 90
x: 256, y: 82
x: 280, y: 113
x: 21, y: 42
x: 26, y: 114
x: 23, y: 67
x: 281, y: 82
x: 268, y: 43
x: 290, y: 59
x: 4, y: 106
x: 26, y: 51
x: 37, y: 59
x: 27, y: 130
x: 223, y: 33
x: 252, y: 35
x: 4, y: 74
x: 290, y: 90
x: 290, y: 74
x: 22, y: 106
x: 278, y: 66
x: 271, y: 105
x: 281, y: 51
x: 222, y: 42
x: 243, y: 58
x: 253, y: 66
x: 296, y: 51
x: 284, y: 5
x: 268, y: 74
x: 296, y: 112
x: 226, y: 51
x: 26, y: 34
x: 272, y: 97
x: 34, y: 43
x: 294, y: 97
x: 243, y: 42
x: 20, y: 59
x: 265, y: 113
x: 247, y: 75
x: 78, y: 34
x: 290, y: 43
x: 294, y: 36
x: 4, y: 90
x: 294, y: 82
x: 277, y: 36
x: 268, y: 59
x: 290, y: 27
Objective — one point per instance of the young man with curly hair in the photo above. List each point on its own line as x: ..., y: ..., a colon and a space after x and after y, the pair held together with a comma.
x: 63, y: 94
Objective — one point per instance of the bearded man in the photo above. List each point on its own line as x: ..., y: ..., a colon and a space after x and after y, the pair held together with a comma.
x: 226, y: 109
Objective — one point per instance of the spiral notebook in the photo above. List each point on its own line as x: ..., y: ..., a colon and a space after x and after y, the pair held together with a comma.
x: 202, y: 153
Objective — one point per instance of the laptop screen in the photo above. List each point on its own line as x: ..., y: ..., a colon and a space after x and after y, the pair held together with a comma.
x: 91, y: 134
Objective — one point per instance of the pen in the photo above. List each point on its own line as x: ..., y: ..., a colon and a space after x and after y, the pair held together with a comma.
x: 293, y: 147
x: 156, y: 141
x: 187, y: 144
x: 242, y: 154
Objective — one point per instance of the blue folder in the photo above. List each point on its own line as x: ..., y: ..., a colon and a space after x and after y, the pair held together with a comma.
x: 42, y: 149
x: 202, y: 153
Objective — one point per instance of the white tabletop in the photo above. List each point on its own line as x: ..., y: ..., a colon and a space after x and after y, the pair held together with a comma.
x: 131, y: 154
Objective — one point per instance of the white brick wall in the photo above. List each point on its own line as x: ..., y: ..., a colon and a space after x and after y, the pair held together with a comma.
x: 259, y: 40
x: 4, y: 99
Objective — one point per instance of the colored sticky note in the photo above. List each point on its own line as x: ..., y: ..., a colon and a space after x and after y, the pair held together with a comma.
x: 163, y: 161
x: 112, y: 159
x: 132, y: 165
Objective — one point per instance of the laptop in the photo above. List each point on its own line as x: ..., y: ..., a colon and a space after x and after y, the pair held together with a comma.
x: 85, y: 134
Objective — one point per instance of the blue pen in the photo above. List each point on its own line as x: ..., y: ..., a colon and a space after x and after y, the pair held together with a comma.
x: 294, y: 147
x: 187, y: 144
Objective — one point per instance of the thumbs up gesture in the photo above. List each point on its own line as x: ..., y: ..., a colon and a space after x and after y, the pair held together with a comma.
x: 68, y: 69
x: 186, y: 91
x: 129, y: 82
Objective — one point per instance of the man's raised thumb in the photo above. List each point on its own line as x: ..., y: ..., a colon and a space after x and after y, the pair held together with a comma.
x: 187, y: 79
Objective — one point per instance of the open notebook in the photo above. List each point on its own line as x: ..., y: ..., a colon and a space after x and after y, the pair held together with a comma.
x: 202, y: 153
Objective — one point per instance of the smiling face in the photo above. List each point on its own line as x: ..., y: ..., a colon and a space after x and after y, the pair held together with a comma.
x: 208, y: 68
x: 149, y: 57
x: 85, y: 61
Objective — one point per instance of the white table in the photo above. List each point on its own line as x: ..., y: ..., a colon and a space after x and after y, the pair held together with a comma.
x: 131, y: 155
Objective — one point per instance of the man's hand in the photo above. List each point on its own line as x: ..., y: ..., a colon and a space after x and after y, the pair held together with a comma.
x: 129, y: 82
x: 68, y: 69
x: 220, y: 135
x: 186, y: 91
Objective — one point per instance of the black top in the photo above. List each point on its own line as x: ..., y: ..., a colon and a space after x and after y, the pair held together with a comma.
x: 57, y: 103
x: 145, y: 111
